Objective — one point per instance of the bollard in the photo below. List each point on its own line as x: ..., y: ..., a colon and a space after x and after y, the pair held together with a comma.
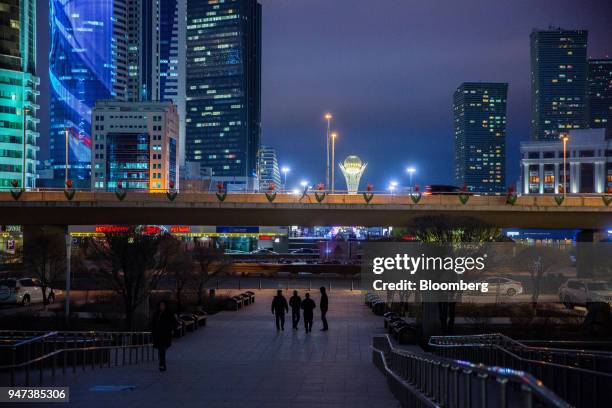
x: 352, y: 286
x: 259, y: 283
x: 330, y: 286
x: 309, y: 284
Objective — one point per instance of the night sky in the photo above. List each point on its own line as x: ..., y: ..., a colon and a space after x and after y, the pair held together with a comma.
x: 387, y: 70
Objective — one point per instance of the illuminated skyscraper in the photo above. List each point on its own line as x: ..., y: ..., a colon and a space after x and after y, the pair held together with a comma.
x: 599, y: 95
x: 479, y: 110
x: 87, y: 62
x: 223, y: 83
x: 126, y: 50
x: 18, y: 92
x: 558, y: 82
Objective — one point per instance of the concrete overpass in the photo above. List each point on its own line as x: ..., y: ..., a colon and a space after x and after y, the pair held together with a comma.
x: 87, y: 208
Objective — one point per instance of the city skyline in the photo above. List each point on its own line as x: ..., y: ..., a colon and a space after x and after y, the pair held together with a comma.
x: 367, y: 103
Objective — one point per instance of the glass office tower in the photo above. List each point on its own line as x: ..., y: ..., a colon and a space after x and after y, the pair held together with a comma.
x: 599, y: 95
x: 479, y: 110
x: 223, y: 85
x: 558, y: 82
x: 18, y: 93
x: 87, y: 62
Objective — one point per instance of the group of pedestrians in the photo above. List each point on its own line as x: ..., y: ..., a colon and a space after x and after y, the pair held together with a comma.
x: 297, y: 304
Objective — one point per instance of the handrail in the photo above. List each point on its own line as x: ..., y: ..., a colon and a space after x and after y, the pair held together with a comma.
x: 562, y: 376
x: 438, y: 386
x: 83, y: 347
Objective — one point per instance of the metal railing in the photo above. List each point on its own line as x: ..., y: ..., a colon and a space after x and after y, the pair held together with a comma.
x: 582, y: 378
x: 426, y: 380
x: 30, y: 353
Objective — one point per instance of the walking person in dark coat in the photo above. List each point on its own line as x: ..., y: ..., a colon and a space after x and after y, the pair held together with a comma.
x: 162, y: 326
x: 308, y: 305
x: 324, y: 305
x: 279, y: 308
x: 295, y: 302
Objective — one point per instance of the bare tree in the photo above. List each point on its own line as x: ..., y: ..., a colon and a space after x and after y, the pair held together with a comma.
x: 180, y: 271
x: 44, y: 258
x: 211, y: 261
x: 132, y: 264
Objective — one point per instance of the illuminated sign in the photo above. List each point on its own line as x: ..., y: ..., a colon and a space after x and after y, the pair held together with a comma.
x: 112, y: 228
x: 180, y: 229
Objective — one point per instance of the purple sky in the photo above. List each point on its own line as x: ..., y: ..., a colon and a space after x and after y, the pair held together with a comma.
x: 387, y: 70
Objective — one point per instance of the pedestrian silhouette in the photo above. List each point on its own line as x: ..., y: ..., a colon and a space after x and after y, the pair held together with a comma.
x: 308, y: 305
x: 324, y: 306
x: 279, y: 307
x: 295, y: 302
x: 162, y: 325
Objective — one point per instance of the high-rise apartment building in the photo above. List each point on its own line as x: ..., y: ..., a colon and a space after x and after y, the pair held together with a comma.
x: 126, y: 50
x: 599, y: 95
x: 135, y: 144
x: 479, y: 110
x: 18, y: 93
x: 558, y: 82
x: 268, y: 168
x: 223, y: 86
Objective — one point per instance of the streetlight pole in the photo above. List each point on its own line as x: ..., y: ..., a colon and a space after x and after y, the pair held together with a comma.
x: 411, y: 171
x: 285, y: 170
x: 333, y: 160
x: 25, y: 147
x: 66, y: 162
x: 565, y: 140
x: 328, y: 117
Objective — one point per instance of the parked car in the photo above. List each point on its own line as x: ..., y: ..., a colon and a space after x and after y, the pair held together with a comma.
x: 23, y: 291
x: 582, y: 291
x: 264, y: 251
x: 498, y: 285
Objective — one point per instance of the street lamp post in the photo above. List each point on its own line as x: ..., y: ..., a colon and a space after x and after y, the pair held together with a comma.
x: 66, y: 161
x: 333, y: 158
x: 565, y: 139
x: 411, y: 171
x: 25, y: 147
x: 285, y: 170
x: 328, y: 117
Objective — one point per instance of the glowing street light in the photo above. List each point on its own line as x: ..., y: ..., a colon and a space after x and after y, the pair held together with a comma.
x: 333, y: 158
x: 411, y: 170
x: 392, y: 186
x: 565, y: 138
x: 285, y: 170
x: 304, y: 184
x: 328, y: 118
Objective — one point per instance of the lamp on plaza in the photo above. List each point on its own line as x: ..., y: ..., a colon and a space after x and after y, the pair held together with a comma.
x: 565, y: 138
x: 392, y: 186
x: 328, y: 118
x: 411, y: 170
x: 285, y: 170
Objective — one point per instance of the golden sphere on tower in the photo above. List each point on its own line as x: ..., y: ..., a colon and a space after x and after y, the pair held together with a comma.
x: 352, y: 164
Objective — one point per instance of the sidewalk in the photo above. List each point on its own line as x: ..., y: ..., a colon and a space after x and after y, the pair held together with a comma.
x: 239, y: 359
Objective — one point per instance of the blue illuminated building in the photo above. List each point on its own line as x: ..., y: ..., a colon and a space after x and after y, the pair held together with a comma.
x: 86, y: 63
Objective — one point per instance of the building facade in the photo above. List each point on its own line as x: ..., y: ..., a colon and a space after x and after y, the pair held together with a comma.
x: 558, y: 82
x: 269, y: 171
x: 223, y: 87
x: 599, y: 95
x: 135, y: 146
x: 588, y: 159
x: 479, y: 111
x: 18, y: 93
x: 126, y: 50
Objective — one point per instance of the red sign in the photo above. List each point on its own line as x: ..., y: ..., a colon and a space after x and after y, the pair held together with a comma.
x: 181, y: 229
x: 112, y: 228
x: 150, y: 230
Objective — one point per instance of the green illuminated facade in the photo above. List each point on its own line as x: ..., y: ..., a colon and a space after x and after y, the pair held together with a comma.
x: 18, y: 92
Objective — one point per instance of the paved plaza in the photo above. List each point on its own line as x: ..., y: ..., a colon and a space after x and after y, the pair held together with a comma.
x: 239, y: 359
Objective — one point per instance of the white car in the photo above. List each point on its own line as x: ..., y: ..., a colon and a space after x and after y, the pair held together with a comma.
x: 582, y: 291
x: 498, y: 285
x: 23, y: 291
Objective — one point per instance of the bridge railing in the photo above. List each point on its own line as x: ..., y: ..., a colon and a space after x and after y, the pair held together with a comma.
x: 426, y: 380
x: 28, y: 354
x: 583, y: 378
